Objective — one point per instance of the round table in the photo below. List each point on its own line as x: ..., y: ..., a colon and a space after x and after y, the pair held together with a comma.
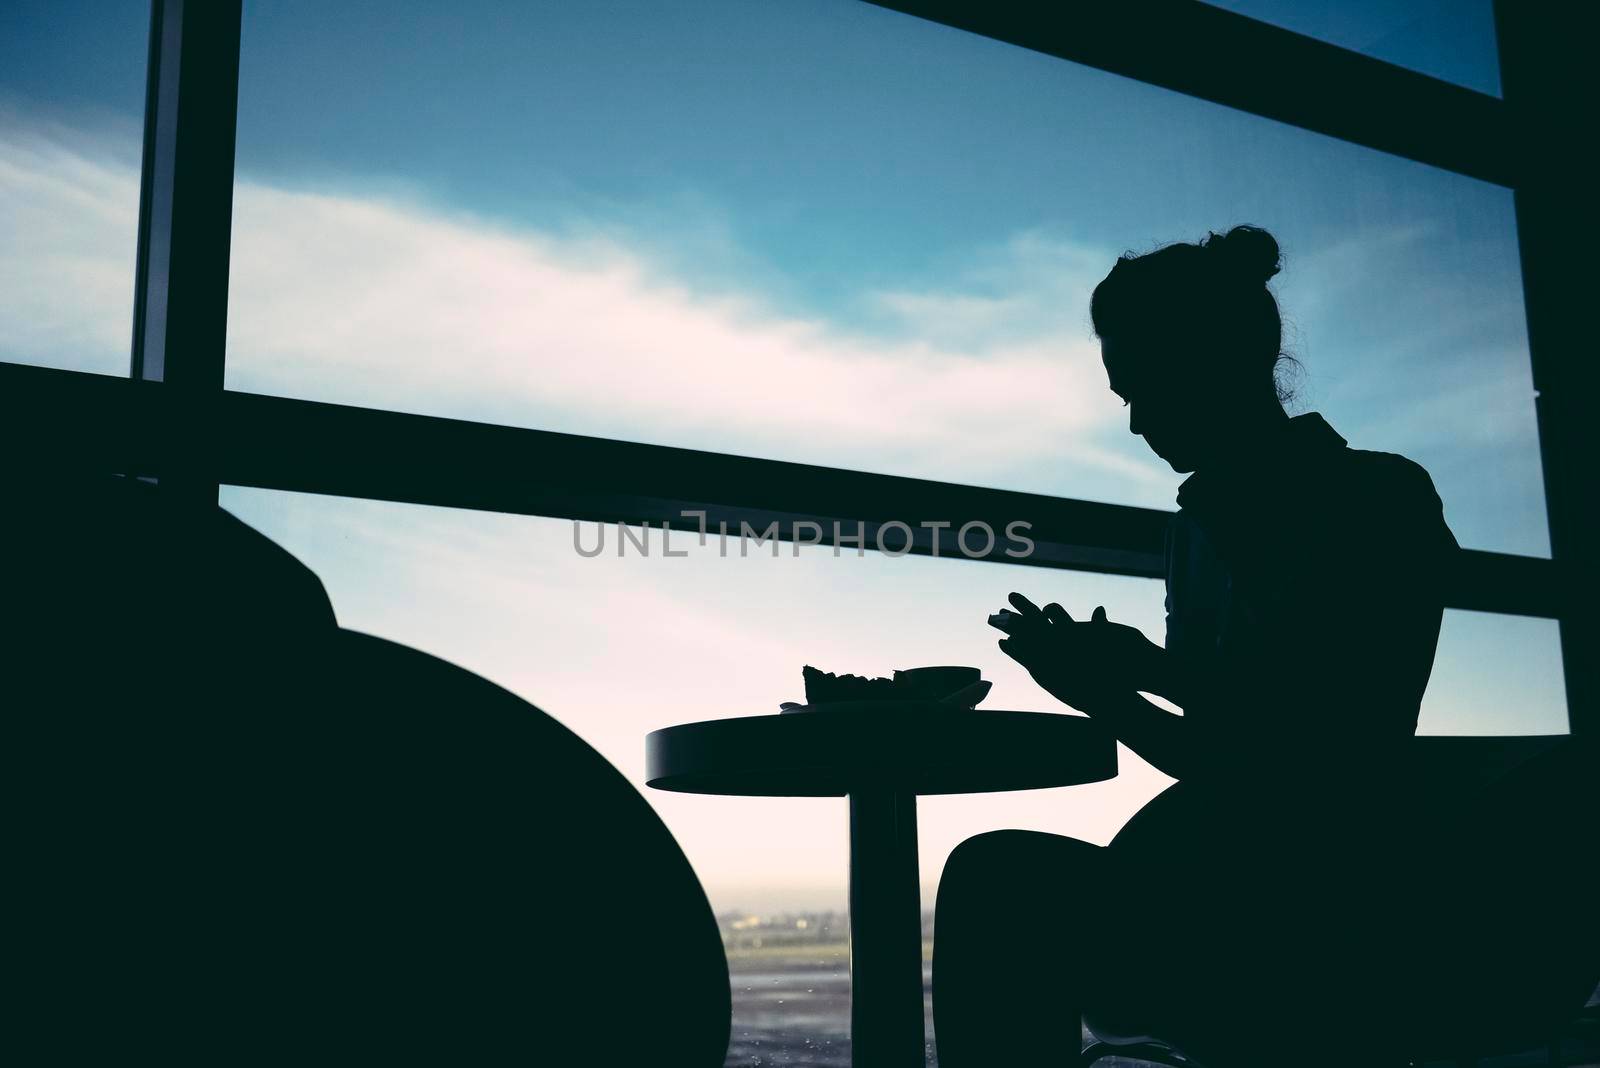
x: 881, y: 755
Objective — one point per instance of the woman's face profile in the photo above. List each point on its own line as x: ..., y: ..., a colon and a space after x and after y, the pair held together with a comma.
x: 1170, y: 416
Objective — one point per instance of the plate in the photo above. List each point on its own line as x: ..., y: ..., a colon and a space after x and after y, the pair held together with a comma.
x: 866, y: 708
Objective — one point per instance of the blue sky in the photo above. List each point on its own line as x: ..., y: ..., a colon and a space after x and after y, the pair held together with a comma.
x: 816, y: 231
x: 1449, y: 39
x: 844, y: 167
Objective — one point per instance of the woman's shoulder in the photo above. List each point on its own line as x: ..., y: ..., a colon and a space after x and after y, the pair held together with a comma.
x: 1389, y: 497
x: 1384, y: 479
x: 1388, y: 471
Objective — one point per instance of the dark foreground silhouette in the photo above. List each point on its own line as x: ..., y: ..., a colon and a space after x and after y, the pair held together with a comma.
x: 240, y: 834
x: 1302, y: 886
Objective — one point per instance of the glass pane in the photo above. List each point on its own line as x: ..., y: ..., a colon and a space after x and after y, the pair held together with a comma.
x: 1496, y: 675
x: 1453, y: 40
x: 832, y: 233
x: 615, y: 647
x: 72, y: 76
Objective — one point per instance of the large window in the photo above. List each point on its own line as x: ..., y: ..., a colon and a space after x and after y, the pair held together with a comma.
x: 875, y: 254
x: 619, y: 644
x: 72, y: 81
x: 823, y: 232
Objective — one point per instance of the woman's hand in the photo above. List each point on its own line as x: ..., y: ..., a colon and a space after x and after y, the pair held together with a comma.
x: 1083, y: 664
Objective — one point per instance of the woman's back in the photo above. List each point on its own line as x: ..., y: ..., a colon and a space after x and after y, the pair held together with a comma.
x: 1305, y: 592
x: 1306, y: 589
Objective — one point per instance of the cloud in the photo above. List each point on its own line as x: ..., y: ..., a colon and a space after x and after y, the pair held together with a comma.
x: 1029, y: 285
x: 68, y: 230
x: 378, y: 302
x: 386, y: 301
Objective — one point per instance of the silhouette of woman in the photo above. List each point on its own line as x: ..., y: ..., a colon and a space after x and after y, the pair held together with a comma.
x: 1257, y: 898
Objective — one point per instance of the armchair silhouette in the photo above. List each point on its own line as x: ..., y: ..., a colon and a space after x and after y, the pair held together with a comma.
x: 1502, y: 947
x: 243, y: 834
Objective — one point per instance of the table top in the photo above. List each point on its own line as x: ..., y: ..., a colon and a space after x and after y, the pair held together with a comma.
x: 853, y: 746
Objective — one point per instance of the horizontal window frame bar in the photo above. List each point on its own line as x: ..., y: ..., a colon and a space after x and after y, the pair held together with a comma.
x: 1230, y: 59
x: 75, y: 421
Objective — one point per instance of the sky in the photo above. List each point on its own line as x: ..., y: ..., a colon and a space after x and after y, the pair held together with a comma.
x: 814, y: 231
x: 1449, y: 39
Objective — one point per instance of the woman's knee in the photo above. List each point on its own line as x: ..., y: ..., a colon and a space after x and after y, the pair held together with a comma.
x: 1013, y: 861
x: 1005, y: 848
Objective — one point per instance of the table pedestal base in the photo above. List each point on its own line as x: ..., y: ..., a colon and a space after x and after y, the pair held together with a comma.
x: 885, y: 932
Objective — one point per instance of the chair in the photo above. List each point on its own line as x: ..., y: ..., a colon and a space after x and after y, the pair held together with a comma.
x: 244, y: 834
x: 1500, y: 811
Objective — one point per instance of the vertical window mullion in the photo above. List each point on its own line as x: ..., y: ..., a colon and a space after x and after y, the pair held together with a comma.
x: 186, y: 220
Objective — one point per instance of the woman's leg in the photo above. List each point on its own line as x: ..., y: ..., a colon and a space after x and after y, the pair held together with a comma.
x: 1255, y: 929
x: 1012, y: 929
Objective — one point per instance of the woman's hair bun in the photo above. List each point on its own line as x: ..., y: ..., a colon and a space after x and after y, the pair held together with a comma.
x: 1248, y: 252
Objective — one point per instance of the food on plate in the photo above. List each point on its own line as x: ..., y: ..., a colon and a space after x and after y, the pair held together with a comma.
x: 914, y: 684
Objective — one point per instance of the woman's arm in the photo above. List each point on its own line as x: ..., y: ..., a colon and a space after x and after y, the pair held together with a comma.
x: 1099, y: 667
x: 1327, y: 652
x: 1306, y: 701
x: 1168, y: 742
